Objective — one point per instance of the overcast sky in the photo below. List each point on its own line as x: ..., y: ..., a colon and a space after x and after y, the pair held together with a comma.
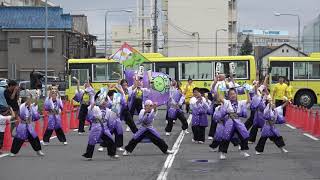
x: 252, y: 13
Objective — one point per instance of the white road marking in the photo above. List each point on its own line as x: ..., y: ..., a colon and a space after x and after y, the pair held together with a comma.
x: 169, y: 161
x: 310, y: 136
x: 291, y: 126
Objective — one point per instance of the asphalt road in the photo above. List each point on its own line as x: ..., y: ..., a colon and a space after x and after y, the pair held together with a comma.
x: 192, y: 161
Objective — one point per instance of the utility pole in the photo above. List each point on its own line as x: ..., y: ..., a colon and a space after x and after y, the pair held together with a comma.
x: 142, y: 24
x: 155, y: 28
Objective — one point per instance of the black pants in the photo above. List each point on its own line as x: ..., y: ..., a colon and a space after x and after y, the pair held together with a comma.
x: 111, y: 146
x: 83, y: 112
x: 137, y: 105
x: 253, y: 133
x: 154, y: 139
x: 199, y: 133
x: 187, y: 107
x: 278, y: 141
x: 1, y: 139
x: 118, y: 138
x: 225, y: 143
x: 213, y: 128
x: 129, y: 120
x: 183, y: 120
x: 279, y: 103
x: 234, y: 141
x: 59, y: 132
x: 249, y: 121
x: 17, y: 143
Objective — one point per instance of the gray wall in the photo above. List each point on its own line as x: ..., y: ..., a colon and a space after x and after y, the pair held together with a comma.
x: 22, y: 58
x: 3, y: 57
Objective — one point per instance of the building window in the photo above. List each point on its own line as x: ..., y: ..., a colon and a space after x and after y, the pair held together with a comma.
x: 314, y: 70
x: 282, y: 50
x: 14, y: 40
x: 3, y: 45
x: 38, y: 42
x: 300, y: 70
x: 287, y: 50
x: 106, y: 72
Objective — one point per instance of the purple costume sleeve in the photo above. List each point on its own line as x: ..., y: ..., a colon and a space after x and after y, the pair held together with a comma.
x: 48, y: 104
x: 78, y: 96
x: 219, y: 113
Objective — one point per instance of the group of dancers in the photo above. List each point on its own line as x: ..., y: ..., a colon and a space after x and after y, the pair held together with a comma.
x: 110, y: 106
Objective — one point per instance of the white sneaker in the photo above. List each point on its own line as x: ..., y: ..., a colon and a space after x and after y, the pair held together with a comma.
x: 40, y: 153
x: 245, y: 154
x: 115, y: 157
x: 128, y: 129
x: 238, y: 147
x: 250, y: 142
x: 80, y: 133
x: 284, y: 150
x: 167, y: 134
x: 200, y: 142
x: 186, y: 131
x: 12, y: 155
x: 210, y: 138
x: 214, y: 150
x: 100, y: 149
x: 45, y: 143
x: 65, y: 143
x: 88, y: 159
x: 120, y: 149
x: 174, y: 122
x: 194, y: 141
x: 170, y: 152
x: 223, y: 156
x: 258, y: 153
x: 125, y: 153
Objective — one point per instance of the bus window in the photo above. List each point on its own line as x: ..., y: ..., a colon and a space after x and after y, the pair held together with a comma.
x: 300, y: 70
x: 114, y: 70
x: 106, y: 72
x: 241, y: 69
x: 314, y: 70
x: 100, y: 72
x: 280, y: 72
x: 189, y: 70
x: 205, y: 70
x: 81, y: 74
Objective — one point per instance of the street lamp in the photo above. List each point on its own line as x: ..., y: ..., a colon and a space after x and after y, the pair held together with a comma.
x: 106, y: 28
x: 295, y: 15
x: 217, y: 39
x: 46, y: 49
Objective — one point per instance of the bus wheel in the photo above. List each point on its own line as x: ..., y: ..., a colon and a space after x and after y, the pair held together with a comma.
x: 305, y: 98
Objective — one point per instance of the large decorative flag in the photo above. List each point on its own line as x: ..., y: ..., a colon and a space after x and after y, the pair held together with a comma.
x: 128, y: 56
x: 159, y: 88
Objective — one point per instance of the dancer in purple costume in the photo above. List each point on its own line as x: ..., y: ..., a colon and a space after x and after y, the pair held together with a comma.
x: 200, y: 107
x: 53, y: 104
x: 272, y: 116
x: 174, y: 109
x: 28, y: 114
x: 85, y: 98
x: 229, y: 115
x: 99, y: 131
x: 146, y: 118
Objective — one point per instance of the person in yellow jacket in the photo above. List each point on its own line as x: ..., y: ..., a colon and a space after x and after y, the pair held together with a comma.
x: 188, y: 93
x: 289, y: 91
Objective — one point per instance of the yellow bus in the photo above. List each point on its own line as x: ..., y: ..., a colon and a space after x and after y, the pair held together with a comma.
x: 200, y: 69
x: 304, y: 76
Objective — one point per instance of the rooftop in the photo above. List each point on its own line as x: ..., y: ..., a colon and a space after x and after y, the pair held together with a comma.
x: 15, y: 17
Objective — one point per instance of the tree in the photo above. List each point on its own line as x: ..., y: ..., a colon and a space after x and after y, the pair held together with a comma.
x: 246, y: 48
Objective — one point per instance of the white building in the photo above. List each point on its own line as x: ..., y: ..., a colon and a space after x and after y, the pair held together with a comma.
x: 24, y: 3
x: 311, y: 36
x: 260, y: 37
x: 189, y: 27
